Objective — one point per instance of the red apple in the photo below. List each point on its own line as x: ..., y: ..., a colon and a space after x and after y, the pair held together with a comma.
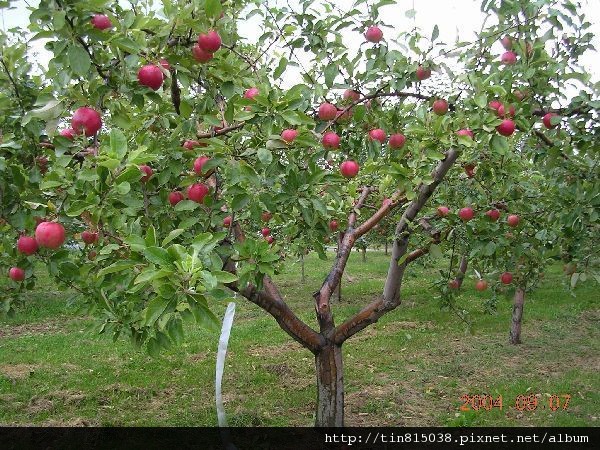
x: 333, y: 225
x: 16, y: 274
x: 481, y: 285
x: 50, y: 235
x: 331, y: 140
x: 200, y: 55
x: 251, y: 93
x: 377, y: 135
x: 453, y: 284
x: 443, y: 211
x: 199, y: 164
x: 147, y: 171
x: 495, y: 104
x: 89, y: 237
x: 513, y: 220
x: 68, y: 133
x: 349, y: 169
x: 350, y: 94
x: 504, y: 111
x: 265, y: 231
x: 506, y: 42
x: 397, y: 141
x: 227, y: 221
x: 506, y: 278
x: 86, y: 120
x: 547, y: 119
x: 190, y: 145
x: 209, y: 42
x: 27, y: 245
x: 175, y: 197
x: 289, y: 135
x: 466, y: 132
x: 374, y: 34
x: 493, y: 214
x: 327, y: 111
x: 266, y: 216
x: 509, y: 58
x: 101, y: 22
x: 197, y: 191
x: 165, y: 64
x: 466, y: 214
x: 440, y: 107
x: 270, y: 239
x: 151, y: 76
x: 506, y: 128
x: 92, y: 255
x: 423, y: 73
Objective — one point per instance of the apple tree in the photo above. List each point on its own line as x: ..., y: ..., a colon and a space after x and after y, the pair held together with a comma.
x: 181, y: 163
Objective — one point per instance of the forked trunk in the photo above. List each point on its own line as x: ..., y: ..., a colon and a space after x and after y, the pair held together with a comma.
x: 330, y: 387
x: 517, y: 315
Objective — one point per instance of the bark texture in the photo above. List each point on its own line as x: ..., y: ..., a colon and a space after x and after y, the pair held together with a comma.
x: 517, y: 316
x: 330, y: 387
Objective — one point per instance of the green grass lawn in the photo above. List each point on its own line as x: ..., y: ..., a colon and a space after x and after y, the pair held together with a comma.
x: 409, y: 369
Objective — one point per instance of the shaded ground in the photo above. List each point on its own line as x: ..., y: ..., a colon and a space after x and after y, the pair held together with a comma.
x: 409, y: 369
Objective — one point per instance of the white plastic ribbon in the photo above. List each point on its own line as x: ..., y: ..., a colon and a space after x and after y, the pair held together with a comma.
x: 222, y: 352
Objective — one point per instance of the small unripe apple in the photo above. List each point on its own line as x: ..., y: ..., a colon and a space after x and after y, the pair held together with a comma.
x: 504, y: 111
x: 519, y: 95
x: 423, y: 73
x: 68, y: 133
x: 466, y: 214
x: 89, y: 237
x: 101, y: 22
x: 227, y: 221
x: 86, y: 120
x: 506, y: 128
x: 289, y: 135
x: 440, y: 107
x: 92, y: 255
x: 147, y: 171
x: 150, y: 76
x: 397, y: 141
x: 493, y: 214
x: 197, y: 192
x: 466, y: 132
x: 481, y: 285
x: 453, y: 284
x: 470, y: 170
x: 199, y: 164
x: 350, y: 94
x: 331, y: 140
x: 27, y: 245
x: 506, y: 278
x: 16, y: 274
x: 513, y: 220
x: 377, y: 135
x: 547, y: 119
x: 506, y: 42
x: 50, y: 235
x: 210, y: 42
x: 349, y: 169
x: 333, y: 225
x: 270, y: 239
x: 200, y: 55
x: 251, y: 93
x: 374, y: 34
x: 175, y: 197
x: 327, y: 111
x: 495, y: 104
x: 265, y: 231
x: 266, y: 216
x: 443, y: 211
x: 509, y: 58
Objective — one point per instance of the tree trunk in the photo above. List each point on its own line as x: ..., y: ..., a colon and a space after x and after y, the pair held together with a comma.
x: 364, y: 254
x: 517, y: 315
x: 386, y: 250
x: 302, y: 263
x: 330, y: 387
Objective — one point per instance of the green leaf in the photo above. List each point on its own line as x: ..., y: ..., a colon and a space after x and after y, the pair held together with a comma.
x: 265, y: 156
x: 118, y: 144
x: 172, y: 235
x: 240, y: 201
x: 155, y: 308
x: 499, y: 144
x: 224, y: 277
x: 50, y: 110
x: 175, y: 330
x: 291, y: 117
x: 152, y: 274
x: 79, y: 60
x: 115, y: 267
x: 186, y: 205
x: 150, y: 239
x: 158, y: 256
x: 213, y: 8
x: 435, y: 251
x: 127, y: 44
x: 435, y: 33
x: 280, y: 68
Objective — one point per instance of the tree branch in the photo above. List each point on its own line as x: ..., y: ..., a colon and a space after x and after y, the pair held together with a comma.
x: 221, y: 132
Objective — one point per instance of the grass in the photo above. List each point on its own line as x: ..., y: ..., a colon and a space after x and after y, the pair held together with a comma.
x: 409, y: 369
